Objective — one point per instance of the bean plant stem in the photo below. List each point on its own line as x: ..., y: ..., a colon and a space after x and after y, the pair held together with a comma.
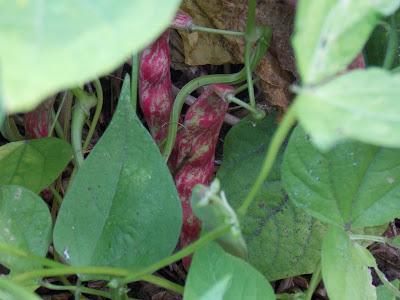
x: 72, y: 288
x: 56, y: 116
x: 272, y: 152
x: 56, y: 195
x: 216, y: 31
x: 315, y: 280
x: 256, y: 112
x: 373, y: 238
x: 205, y: 239
x: 392, y: 45
x: 134, y: 80
x: 387, y: 283
x: 96, y: 116
x: 164, y: 283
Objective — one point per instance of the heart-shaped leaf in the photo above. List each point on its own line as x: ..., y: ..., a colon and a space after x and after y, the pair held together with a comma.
x: 122, y: 208
x: 361, y: 105
x: 328, y: 37
x: 216, y: 275
x: 33, y: 164
x: 25, y: 222
x: 51, y: 45
x: 344, y: 268
x: 282, y: 240
x: 354, y: 185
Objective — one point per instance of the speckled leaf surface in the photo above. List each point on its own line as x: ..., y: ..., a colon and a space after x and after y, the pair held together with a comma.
x: 282, y: 240
x: 33, y: 164
x: 217, y: 275
x: 122, y: 208
x: 25, y: 222
x: 354, y: 185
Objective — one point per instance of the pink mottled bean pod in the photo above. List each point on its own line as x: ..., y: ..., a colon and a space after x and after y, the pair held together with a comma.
x: 38, y: 121
x: 194, y: 152
x: 155, y: 86
x: 182, y: 21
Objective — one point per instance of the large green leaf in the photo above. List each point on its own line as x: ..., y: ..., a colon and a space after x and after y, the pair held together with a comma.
x: 216, y: 275
x: 361, y: 105
x: 33, y: 164
x: 11, y: 291
x: 354, y: 185
x: 122, y: 208
x: 282, y: 240
x: 344, y: 268
x: 384, y: 293
x: 25, y: 222
x: 50, y: 45
x: 330, y: 33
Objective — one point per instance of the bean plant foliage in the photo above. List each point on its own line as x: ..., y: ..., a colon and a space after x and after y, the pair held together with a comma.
x: 112, y: 188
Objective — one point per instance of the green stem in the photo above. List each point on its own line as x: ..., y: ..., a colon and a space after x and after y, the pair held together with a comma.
x: 392, y: 45
x: 205, y: 239
x: 257, y: 113
x: 67, y: 116
x: 72, y: 288
x: 243, y: 87
x: 81, y: 111
x: 387, y: 283
x: 56, y: 116
x: 315, y: 280
x: 164, y: 283
x: 96, y: 116
x: 373, y: 238
x: 67, y: 270
x: 135, y: 80
x: 10, y: 131
x: 210, y: 79
x: 272, y: 152
x: 56, y: 195
x: 216, y: 31
x: 59, y: 130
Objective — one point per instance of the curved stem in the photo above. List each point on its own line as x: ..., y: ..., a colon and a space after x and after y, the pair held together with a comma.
x: 204, y: 240
x: 315, y: 280
x: 272, y: 152
x: 216, y: 31
x: 258, y: 114
x: 96, y: 116
x: 72, y: 288
x: 392, y: 45
x: 55, y: 117
x: 372, y: 238
x: 164, y: 283
x: 210, y: 79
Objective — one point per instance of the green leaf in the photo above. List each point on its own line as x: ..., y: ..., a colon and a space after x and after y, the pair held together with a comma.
x: 395, y: 242
x: 11, y: 291
x: 212, y: 208
x: 283, y: 241
x: 53, y: 45
x: 354, y: 185
x: 344, y: 270
x: 216, y: 275
x: 33, y: 164
x: 384, y: 294
x: 330, y: 33
x: 25, y: 222
x: 122, y: 208
x: 361, y: 105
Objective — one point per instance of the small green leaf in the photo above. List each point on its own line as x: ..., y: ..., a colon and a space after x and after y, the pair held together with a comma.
x: 11, y: 291
x: 283, y: 240
x: 344, y: 271
x: 33, y: 164
x: 212, y: 208
x: 354, y: 185
x: 330, y: 33
x: 395, y: 242
x: 361, y: 105
x: 25, y: 222
x: 216, y: 275
x: 52, y: 45
x: 122, y: 208
x: 385, y: 294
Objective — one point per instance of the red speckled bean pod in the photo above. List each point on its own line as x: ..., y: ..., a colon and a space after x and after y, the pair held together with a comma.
x: 38, y: 121
x: 155, y: 86
x: 192, y: 160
